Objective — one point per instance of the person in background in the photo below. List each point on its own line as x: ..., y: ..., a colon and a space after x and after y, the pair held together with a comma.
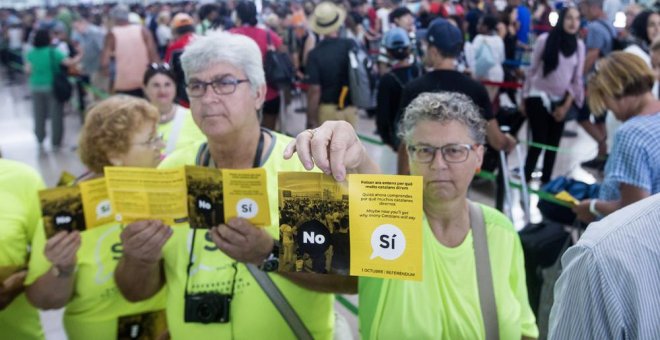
x: 209, y: 18
x: 444, y: 43
x: 644, y: 29
x: 74, y: 270
x: 541, y: 17
x: 608, y: 286
x: 489, y: 39
x: 623, y: 84
x: 132, y: 47
x: 445, y: 135
x: 247, y: 25
x: 163, y: 32
x: 42, y: 64
x: 175, y: 123
x: 390, y: 87
x: 598, y: 43
x: 183, y: 27
x: 472, y: 17
x: 553, y: 84
x: 89, y: 38
x: 327, y: 69
x: 19, y: 220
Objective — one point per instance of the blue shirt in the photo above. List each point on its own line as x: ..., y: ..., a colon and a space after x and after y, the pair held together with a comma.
x: 635, y: 157
x: 599, y: 36
x: 609, y: 287
x: 525, y: 20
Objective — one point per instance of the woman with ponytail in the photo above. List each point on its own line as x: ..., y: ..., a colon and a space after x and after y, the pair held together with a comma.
x: 553, y: 83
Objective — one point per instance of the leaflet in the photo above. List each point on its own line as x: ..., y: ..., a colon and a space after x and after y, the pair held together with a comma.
x: 386, y: 212
x: 62, y: 209
x: 387, y: 238
x: 245, y: 195
x: 314, y: 224
x: 205, y: 200
x: 370, y: 225
x: 96, y: 203
x: 146, y: 193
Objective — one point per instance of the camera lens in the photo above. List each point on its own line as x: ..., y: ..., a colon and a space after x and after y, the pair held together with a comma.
x: 206, y: 312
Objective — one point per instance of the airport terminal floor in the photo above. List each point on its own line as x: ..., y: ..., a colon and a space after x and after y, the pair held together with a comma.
x: 17, y: 142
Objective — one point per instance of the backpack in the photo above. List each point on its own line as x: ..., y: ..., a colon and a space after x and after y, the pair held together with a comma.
x: 359, y: 82
x: 277, y: 66
x: 484, y: 60
x: 62, y: 88
x: 618, y: 44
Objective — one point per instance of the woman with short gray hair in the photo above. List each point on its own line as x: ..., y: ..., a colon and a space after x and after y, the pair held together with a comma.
x: 445, y: 135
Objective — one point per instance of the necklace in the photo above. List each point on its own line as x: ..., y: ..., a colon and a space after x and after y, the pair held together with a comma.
x: 166, y: 118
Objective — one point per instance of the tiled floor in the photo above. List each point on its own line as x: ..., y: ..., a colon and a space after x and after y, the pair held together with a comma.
x: 17, y: 142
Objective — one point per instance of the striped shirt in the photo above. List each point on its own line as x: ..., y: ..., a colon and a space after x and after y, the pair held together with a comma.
x: 610, y: 286
x: 635, y: 157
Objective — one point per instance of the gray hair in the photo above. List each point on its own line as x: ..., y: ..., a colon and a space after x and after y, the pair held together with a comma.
x: 443, y: 107
x: 222, y: 47
x: 120, y: 12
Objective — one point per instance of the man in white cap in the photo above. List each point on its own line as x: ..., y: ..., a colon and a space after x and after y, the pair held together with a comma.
x: 327, y: 69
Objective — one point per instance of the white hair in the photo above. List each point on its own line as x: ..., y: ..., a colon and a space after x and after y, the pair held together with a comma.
x: 217, y: 47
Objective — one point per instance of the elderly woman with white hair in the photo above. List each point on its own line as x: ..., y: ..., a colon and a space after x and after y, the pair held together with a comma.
x: 217, y: 280
x: 474, y: 277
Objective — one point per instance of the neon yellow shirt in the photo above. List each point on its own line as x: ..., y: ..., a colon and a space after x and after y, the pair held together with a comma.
x: 188, y: 133
x: 19, y: 217
x: 445, y: 305
x: 252, y: 316
x: 97, y: 304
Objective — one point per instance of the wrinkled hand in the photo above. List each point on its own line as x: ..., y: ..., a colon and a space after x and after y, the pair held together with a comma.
x: 11, y: 288
x: 242, y: 241
x: 61, y: 249
x: 583, y: 213
x: 334, y: 147
x: 144, y: 240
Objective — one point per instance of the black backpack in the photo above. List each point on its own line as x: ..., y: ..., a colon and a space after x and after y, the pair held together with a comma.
x: 62, y: 88
x: 277, y: 66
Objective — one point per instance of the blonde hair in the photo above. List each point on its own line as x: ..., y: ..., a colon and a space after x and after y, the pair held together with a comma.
x: 620, y: 74
x: 109, y: 129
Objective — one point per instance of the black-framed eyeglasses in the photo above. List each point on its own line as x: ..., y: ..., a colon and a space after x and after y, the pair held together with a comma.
x: 222, y: 86
x: 153, y: 141
x: 451, y: 153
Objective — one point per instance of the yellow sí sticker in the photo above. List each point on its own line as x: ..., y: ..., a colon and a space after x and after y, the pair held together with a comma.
x: 246, y: 195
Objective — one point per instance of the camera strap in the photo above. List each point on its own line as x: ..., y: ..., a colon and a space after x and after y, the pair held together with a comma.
x: 277, y: 298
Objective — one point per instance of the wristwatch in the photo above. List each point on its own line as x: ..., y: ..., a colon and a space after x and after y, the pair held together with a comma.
x: 272, y: 262
x: 61, y: 272
x: 593, y: 210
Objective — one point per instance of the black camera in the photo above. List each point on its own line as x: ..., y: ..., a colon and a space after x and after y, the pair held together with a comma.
x: 207, y: 308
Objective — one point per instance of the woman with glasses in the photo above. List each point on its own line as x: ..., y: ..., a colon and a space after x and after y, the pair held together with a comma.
x: 622, y: 83
x: 75, y: 269
x: 445, y: 136
x: 175, y: 123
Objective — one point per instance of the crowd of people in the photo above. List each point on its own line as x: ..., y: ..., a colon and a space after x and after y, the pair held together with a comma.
x: 447, y: 82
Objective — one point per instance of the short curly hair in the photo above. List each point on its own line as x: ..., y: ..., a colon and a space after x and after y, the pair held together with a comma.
x: 109, y: 127
x: 443, y: 107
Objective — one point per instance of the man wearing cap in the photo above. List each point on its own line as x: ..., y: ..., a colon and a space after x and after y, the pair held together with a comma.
x: 399, y: 48
x: 133, y: 48
x: 444, y: 43
x: 327, y: 69
x: 183, y: 27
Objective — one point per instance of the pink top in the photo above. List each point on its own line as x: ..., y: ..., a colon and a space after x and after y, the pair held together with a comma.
x: 566, y: 77
x: 259, y: 35
x: 131, y: 57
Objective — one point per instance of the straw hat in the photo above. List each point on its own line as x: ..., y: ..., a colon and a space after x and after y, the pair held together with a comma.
x: 327, y: 18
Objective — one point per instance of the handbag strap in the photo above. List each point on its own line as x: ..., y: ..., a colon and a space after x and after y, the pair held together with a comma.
x: 484, y: 274
x: 275, y: 295
x: 52, y: 60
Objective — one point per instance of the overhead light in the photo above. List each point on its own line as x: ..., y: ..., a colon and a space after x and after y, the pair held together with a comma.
x: 553, y: 17
x: 620, y: 20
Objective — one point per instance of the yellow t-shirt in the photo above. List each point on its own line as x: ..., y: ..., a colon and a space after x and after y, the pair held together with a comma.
x: 96, y: 305
x: 445, y: 305
x: 188, y: 133
x: 252, y: 314
x: 19, y: 216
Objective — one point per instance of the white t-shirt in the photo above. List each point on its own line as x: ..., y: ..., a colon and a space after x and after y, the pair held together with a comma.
x: 383, y: 15
x: 163, y: 34
x: 496, y: 73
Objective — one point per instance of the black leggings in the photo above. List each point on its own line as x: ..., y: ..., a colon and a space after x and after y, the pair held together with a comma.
x: 545, y: 130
